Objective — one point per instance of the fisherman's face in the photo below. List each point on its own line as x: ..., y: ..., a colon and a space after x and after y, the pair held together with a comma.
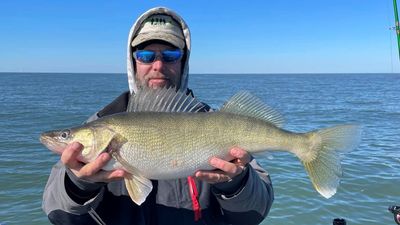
x: 158, y: 74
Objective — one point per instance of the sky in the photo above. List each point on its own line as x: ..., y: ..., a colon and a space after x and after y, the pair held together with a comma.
x: 258, y: 36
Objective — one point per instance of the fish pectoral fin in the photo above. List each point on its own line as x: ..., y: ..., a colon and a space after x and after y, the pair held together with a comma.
x: 138, y: 188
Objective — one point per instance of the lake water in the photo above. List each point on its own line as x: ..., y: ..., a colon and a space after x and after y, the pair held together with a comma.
x: 33, y: 103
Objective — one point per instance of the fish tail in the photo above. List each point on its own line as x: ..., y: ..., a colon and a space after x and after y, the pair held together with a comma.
x: 322, y: 160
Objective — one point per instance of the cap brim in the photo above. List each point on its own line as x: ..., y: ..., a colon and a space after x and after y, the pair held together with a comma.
x: 170, y: 38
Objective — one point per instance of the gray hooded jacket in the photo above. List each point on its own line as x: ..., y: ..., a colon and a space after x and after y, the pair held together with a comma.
x: 70, y: 200
x: 136, y: 28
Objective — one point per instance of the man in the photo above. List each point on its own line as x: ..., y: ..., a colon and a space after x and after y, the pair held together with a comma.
x: 236, y: 192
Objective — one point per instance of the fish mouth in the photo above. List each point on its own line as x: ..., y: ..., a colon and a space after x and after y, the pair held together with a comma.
x: 44, y: 139
x: 53, y: 145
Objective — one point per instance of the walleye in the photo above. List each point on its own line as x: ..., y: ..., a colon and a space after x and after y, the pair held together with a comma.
x: 162, y: 137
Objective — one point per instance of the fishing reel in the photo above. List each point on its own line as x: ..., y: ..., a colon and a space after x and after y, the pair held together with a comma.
x: 393, y: 209
x: 339, y: 221
x: 396, y: 213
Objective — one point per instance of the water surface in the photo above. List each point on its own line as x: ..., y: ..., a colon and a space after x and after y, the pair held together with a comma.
x: 33, y: 103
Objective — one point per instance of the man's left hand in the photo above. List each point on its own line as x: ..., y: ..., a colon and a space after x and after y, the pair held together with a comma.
x: 225, y: 170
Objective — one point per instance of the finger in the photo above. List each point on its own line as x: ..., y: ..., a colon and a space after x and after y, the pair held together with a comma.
x: 228, y: 167
x: 242, y: 156
x: 92, y: 168
x: 212, y: 177
x: 108, y: 176
x: 70, y: 154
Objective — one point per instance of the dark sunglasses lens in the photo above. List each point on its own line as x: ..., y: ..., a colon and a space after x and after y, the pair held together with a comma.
x: 145, y: 56
x: 171, y: 55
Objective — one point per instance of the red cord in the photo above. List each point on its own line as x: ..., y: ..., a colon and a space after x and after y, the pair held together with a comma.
x: 195, y: 198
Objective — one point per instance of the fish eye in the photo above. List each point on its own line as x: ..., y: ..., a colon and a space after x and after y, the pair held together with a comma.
x: 65, y: 134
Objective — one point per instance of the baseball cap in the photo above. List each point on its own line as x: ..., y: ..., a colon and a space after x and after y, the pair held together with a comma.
x: 160, y: 27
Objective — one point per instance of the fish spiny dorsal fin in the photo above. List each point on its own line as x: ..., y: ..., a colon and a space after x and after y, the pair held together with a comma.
x: 163, y: 100
x: 246, y: 104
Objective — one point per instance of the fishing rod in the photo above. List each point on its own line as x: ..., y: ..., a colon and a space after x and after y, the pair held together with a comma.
x: 397, y: 25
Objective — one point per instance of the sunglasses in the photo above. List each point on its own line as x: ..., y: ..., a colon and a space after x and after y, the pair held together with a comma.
x: 166, y: 56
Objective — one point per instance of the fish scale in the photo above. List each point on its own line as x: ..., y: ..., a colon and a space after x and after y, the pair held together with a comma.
x: 171, y: 143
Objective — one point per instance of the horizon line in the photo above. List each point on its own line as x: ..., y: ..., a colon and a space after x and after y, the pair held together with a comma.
x: 258, y: 73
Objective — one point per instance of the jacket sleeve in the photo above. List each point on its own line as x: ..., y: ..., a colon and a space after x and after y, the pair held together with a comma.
x: 60, y: 207
x: 251, y: 201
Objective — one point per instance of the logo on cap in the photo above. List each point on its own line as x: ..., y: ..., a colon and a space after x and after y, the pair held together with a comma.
x: 161, y: 27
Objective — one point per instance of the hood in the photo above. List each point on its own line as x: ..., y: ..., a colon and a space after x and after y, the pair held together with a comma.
x: 135, y: 29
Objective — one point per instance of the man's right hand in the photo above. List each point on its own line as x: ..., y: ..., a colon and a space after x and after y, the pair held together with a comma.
x: 91, y: 171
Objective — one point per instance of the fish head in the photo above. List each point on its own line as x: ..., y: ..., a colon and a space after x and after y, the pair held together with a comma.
x: 95, y: 140
x: 56, y: 140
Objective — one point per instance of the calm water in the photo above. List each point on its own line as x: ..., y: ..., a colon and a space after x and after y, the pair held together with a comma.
x: 33, y: 103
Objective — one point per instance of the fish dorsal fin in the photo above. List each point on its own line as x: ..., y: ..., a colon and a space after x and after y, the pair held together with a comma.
x: 246, y: 104
x: 163, y: 100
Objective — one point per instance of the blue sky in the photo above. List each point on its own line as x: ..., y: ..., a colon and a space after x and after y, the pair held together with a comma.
x: 262, y: 36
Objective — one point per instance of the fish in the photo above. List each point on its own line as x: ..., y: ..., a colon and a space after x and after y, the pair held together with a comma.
x: 164, y: 135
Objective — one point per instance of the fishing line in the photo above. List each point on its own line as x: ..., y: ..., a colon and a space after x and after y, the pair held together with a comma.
x: 96, y: 217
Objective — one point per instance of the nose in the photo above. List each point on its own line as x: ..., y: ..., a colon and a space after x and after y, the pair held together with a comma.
x: 157, y: 65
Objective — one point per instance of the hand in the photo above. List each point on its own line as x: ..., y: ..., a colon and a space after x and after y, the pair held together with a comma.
x: 225, y: 170
x: 91, y: 171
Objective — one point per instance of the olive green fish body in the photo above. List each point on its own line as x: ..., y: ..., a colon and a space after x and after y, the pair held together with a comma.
x: 174, y: 145
x: 164, y: 136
